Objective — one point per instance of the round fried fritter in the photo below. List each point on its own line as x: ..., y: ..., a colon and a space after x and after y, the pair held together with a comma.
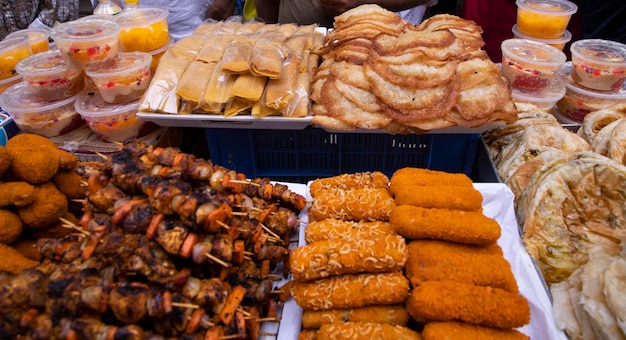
x: 10, y: 226
x: 33, y: 160
x: 5, y: 159
x: 70, y: 184
x: 48, y: 206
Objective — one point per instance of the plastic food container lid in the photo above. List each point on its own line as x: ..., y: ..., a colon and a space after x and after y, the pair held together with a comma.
x: 33, y: 34
x: 169, y: 44
x: 563, y: 118
x: 565, y: 74
x: 124, y: 63
x: 598, y: 51
x: 564, y: 39
x: 92, y: 105
x: 19, y: 99
x: 43, y: 63
x: 533, y: 52
x: 548, y: 7
x: 9, y: 43
x: 86, y: 30
x: 10, y: 80
x: 139, y: 17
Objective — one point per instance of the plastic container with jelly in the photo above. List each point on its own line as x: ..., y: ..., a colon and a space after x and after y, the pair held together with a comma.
x: 530, y: 65
x: 126, y: 79
x: 37, y: 37
x: 547, y: 19
x: 50, y: 77
x: 112, y: 122
x: 579, y: 101
x: 143, y: 29
x: 87, y: 43
x: 12, y: 51
x: 45, y: 118
x: 8, y: 82
x: 556, y: 43
x: 545, y: 99
x: 599, y: 64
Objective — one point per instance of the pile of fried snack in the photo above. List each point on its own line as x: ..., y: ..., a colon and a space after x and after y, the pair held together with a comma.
x: 229, y: 67
x: 408, y: 258
x: 379, y: 72
x: 37, y: 185
x: 570, y: 198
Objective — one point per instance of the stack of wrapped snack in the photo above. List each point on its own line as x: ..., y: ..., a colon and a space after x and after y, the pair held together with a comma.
x: 594, y: 78
x: 348, y: 279
x: 229, y: 68
x: 117, y: 79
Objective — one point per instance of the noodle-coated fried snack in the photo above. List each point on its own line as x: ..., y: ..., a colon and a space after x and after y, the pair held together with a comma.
x: 418, y: 176
x: 467, y: 227
x: 389, y: 314
x: 464, y: 331
x: 478, y: 305
x: 431, y: 260
x: 348, y: 256
x: 331, y: 228
x: 375, y: 179
x: 440, y: 196
x: 351, y: 291
x: 362, y: 204
x: 365, y: 330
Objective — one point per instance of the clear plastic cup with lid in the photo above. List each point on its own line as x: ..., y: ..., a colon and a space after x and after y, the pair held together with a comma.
x: 143, y: 29
x: 545, y: 99
x: 126, y: 79
x: 37, y: 37
x: 547, y: 19
x: 50, y: 77
x: 12, y: 51
x: 530, y: 65
x: 87, y: 43
x: 556, y: 43
x: 599, y: 64
x: 8, y: 82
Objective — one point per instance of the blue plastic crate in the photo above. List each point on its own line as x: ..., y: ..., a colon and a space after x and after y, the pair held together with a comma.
x: 303, y: 155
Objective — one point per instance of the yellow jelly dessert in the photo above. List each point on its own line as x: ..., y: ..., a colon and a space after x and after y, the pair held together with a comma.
x: 12, y: 50
x: 545, y: 19
x: 143, y: 29
x: 37, y: 37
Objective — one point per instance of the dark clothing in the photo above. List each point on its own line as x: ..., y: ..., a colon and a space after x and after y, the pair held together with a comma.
x: 18, y: 14
x: 603, y: 19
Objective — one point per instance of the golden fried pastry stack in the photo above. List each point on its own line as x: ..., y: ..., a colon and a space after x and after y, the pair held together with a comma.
x: 379, y: 72
x: 229, y: 68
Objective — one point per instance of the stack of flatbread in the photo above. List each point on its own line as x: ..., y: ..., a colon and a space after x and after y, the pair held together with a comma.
x: 379, y: 72
x: 230, y: 68
x: 605, y: 130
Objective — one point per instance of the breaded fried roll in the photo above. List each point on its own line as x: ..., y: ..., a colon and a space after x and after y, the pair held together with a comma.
x: 431, y: 260
x: 465, y: 331
x: 467, y: 227
x: 390, y: 314
x: 440, y: 196
x: 418, y: 176
x: 478, y: 305
x: 351, y: 291
x: 307, y: 334
x: 332, y: 228
x: 363, y: 204
x: 365, y: 330
x: 348, y: 256
x: 357, y: 180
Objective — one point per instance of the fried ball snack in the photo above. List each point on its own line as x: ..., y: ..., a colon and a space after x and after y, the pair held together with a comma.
x: 70, y: 184
x: 417, y: 176
x: 331, y: 228
x: 18, y: 194
x: 391, y: 314
x: 440, y: 196
x: 363, y: 204
x: 307, y: 334
x: 13, y: 261
x: 348, y: 256
x: 464, y: 331
x: 467, y: 227
x: 48, y: 206
x: 478, y: 305
x: 368, y: 179
x: 351, y: 291
x: 431, y: 260
x: 366, y: 330
x: 10, y: 226
x: 5, y: 159
x: 27, y: 247
x: 32, y: 159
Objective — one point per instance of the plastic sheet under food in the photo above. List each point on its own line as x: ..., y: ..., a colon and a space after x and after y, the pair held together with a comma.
x: 497, y: 204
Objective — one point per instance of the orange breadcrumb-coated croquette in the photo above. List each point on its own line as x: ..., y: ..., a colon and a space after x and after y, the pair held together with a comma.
x: 70, y: 183
x: 418, y: 176
x: 32, y: 158
x: 440, y: 196
x: 13, y: 261
x: 48, y: 206
x: 10, y: 226
x: 390, y: 314
x: 5, y: 159
x: 16, y: 193
x: 365, y: 330
x: 464, y: 331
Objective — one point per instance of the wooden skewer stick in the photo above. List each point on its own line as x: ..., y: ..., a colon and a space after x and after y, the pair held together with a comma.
x: 267, y: 334
x: 70, y: 225
x: 105, y: 157
x: 274, y: 277
x: 207, y: 323
x: 224, y: 225
x: 248, y: 253
x: 269, y: 231
x: 239, y: 181
x: 83, y: 184
x: 247, y: 258
x: 215, y: 259
x: 239, y: 213
x: 185, y: 305
x: 227, y: 337
x: 245, y: 313
x: 78, y: 200
x: 277, y: 319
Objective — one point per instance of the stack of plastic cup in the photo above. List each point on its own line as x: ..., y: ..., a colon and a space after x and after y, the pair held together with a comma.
x: 544, y: 21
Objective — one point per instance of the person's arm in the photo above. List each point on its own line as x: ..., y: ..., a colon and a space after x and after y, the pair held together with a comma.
x: 220, y: 9
x: 336, y: 7
x: 267, y: 10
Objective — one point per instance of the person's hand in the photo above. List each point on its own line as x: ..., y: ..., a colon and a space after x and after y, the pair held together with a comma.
x: 336, y: 7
